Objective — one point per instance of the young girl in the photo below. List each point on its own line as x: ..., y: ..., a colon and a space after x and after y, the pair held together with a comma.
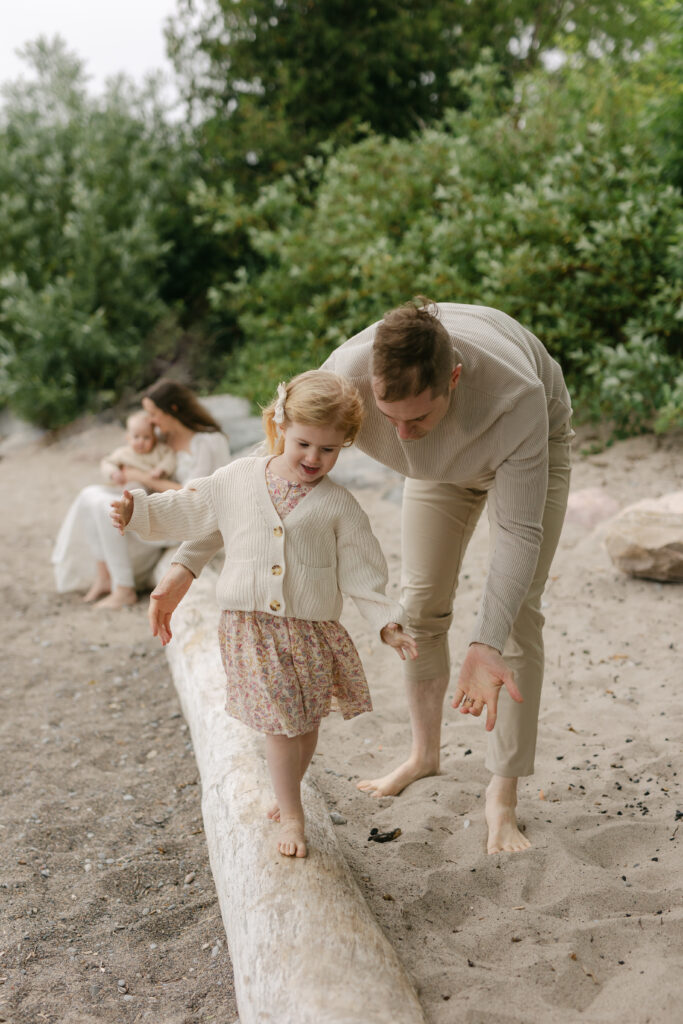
x: 294, y: 540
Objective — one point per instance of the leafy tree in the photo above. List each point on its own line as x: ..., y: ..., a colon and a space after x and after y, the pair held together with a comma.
x: 268, y: 80
x: 545, y: 201
x: 82, y: 258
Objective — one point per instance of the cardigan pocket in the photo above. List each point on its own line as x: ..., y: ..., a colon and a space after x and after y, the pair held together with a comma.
x: 319, y: 595
x: 238, y: 583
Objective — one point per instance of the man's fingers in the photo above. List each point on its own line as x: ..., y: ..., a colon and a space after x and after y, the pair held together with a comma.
x: 492, y: 711
x: 511, y: 688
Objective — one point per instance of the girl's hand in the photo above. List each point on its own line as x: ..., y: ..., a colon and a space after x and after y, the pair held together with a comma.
x: 165, y: 598
x: 121, y: 511
x: 393, y: 635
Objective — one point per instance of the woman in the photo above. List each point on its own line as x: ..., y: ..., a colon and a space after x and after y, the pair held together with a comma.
x: 88, y: 551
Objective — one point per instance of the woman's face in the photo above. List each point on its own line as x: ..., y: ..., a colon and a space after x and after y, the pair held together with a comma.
x: 163, y: 420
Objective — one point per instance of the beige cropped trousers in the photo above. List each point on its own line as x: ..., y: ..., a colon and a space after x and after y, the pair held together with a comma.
x: 437, y: 522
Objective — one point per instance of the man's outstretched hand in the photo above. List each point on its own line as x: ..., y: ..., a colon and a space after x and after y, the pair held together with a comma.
x: 482, y: 675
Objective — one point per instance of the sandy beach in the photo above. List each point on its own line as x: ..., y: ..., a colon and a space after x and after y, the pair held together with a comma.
x: 109, y: 912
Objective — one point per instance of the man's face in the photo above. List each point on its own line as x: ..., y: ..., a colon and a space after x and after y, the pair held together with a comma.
x: 417, y: 415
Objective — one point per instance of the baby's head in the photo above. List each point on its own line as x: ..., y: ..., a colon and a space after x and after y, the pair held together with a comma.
x: 140, y: 433
x: 316, y: 398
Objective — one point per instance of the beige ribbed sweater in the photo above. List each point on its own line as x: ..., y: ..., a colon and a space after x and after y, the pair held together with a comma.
x: 297, y: 567
x: 510, y: 399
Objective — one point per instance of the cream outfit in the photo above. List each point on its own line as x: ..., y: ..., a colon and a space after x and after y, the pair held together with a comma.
x: 161, y: 457
x: 298, y: 568
x: 86, y: 535
x: 504, y: 441
x: 283, y: 674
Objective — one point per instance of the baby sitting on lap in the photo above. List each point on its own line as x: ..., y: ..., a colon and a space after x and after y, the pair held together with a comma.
x: 143, y: 451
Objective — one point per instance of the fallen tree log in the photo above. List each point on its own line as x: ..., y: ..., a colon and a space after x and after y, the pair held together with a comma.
x: 305, y: 948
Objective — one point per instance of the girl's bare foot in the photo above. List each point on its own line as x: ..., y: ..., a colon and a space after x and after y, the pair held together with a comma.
x: 292, y: 841
x: 120, y: 597
x: 501, y: 801
x: 396, y: 781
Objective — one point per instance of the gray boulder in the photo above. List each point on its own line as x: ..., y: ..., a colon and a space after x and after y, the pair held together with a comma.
x: 646, y: 539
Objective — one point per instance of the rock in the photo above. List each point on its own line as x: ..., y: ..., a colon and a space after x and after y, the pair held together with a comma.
x: 590, y: 506
x: 646, y: 539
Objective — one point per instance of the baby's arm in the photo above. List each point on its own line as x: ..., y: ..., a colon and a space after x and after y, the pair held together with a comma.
x: 167, y: 463
x: 110, y: 471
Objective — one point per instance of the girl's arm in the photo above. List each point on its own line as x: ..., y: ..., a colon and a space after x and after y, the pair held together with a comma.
x: 187, y: 514
x: 362, y: 574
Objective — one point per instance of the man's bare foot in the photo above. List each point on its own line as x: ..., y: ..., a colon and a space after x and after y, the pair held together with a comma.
x: 120, y: 597
x: 501, y: 801
x: 274, y: 813
x: 292, y: 842
x: 395, y: 782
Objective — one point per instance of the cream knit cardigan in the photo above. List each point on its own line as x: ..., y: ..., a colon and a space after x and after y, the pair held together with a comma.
x: 297, y: 567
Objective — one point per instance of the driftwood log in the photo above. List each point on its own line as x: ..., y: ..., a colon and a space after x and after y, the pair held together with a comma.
x: 305, y: 948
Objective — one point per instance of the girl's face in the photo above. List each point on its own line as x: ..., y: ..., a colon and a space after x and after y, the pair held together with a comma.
x: 311, y: 452
x: 163, y: 420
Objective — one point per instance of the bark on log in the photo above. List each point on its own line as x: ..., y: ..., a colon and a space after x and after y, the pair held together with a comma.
x: 305, y: 948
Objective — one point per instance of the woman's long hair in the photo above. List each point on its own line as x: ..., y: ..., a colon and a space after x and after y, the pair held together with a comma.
x: 179, y: 401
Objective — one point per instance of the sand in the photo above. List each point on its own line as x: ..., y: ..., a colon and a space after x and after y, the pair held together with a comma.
x: 109, y: 909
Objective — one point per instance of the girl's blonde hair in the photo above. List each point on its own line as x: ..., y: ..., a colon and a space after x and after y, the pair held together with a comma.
x: 316, y: 398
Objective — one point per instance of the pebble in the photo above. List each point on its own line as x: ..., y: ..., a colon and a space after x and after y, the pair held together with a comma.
x: 189, y: 878
x: 337, y: 818
x: 466, y: 823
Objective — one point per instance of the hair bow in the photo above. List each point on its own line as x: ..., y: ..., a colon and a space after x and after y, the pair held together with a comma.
x: 279, y: 409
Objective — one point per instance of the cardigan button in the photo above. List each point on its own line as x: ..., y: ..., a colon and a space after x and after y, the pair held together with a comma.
x: 276, y: 570
x: 277, y: 530
x: 275, y: 606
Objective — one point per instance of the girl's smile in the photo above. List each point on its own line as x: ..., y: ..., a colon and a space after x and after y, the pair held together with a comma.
x: 310, y: 452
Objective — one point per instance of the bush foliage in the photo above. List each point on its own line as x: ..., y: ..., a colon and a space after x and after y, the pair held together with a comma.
x: 546, y: 201
x: 130, y: 240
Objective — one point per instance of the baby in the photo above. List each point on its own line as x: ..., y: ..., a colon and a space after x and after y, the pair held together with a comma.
x: 142, y: 451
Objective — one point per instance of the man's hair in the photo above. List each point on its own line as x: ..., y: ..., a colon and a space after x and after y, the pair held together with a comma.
x: 412, y: 351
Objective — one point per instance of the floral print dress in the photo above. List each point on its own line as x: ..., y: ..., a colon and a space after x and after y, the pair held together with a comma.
x: 285, y: 674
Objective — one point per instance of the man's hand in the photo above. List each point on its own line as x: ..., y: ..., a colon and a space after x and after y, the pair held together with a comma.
x: 165, y: 598
x: 482, y: 674
x: 393, y: 635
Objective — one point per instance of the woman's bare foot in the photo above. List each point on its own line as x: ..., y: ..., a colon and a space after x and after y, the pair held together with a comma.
x: 395, y: 782
x: 274, y: 813
x: 101, y: 585
x: 292, y: 841
x: 120, y: 597
x: 501, y: 801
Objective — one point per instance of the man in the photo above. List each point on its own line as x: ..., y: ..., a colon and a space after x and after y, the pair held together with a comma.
x: 469, y: 406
